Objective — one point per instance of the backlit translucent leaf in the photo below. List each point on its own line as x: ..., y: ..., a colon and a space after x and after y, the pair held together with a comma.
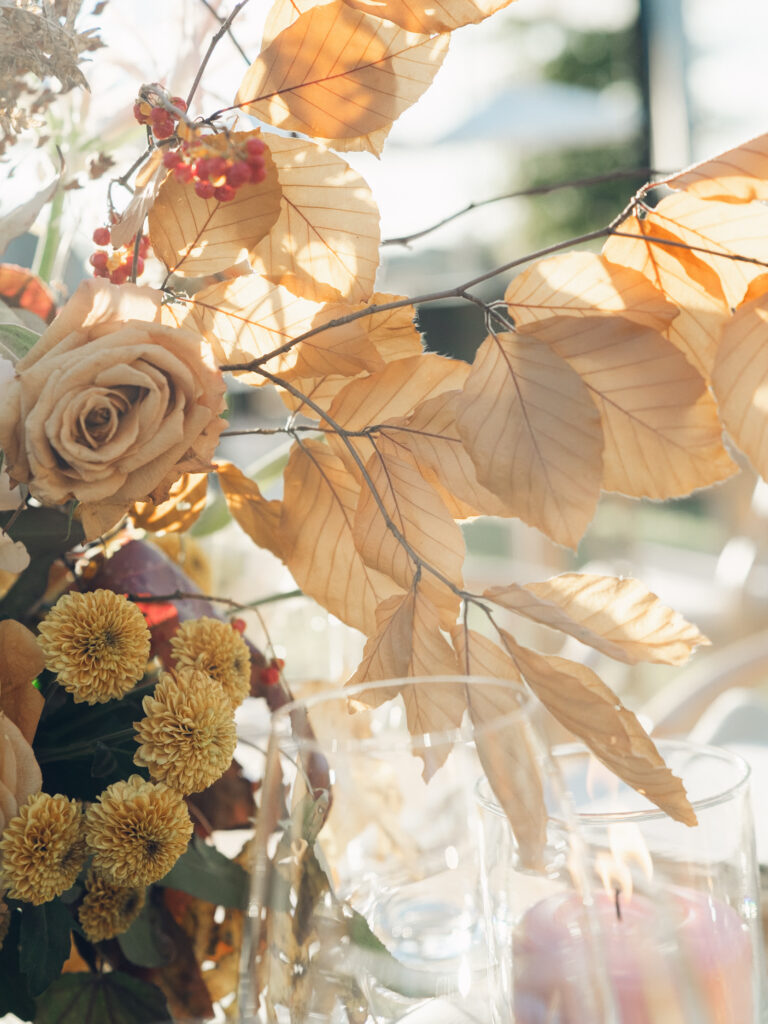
x: 736, y: 176
x: 442, y: 16
x: 534, y: 435
x: 662, y: 432
x: 581, y: 702
x: 180, y: 511
x: 585, y: 284
x: 247, y: 317
x: 510, y: 763
x: 195, y: 237
x: 422, y: 520
x: 684, y: 278
x: 616, y: 615
x: 740, y: 381
x: 319, y: 502
x: 727, y: 229
x: 325, y: 244
x: 336, y: 73
x: 250, y: 509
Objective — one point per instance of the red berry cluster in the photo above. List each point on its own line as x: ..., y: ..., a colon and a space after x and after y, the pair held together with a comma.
x: 217, y: 173
x: 270, y: 674
x: 161, y: 121
x: 117, y: 265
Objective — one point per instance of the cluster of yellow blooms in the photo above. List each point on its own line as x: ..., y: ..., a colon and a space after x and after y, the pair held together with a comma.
x: 98, y: 645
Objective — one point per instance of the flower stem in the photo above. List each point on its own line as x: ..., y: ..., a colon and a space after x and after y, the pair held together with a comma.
x: 73, y: 751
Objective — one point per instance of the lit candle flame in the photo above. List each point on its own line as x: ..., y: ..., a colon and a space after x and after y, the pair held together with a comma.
x: 626, y: 847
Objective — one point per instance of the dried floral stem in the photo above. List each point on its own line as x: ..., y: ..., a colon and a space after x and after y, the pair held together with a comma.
x: 223, y: 29
x: 536, y: 190
x: 183, y: 595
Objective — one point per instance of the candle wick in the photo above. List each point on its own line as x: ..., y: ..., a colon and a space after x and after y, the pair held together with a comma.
x: 618, y: 902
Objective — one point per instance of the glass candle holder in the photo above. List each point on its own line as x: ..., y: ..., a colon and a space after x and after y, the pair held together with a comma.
x: 367, y: 891
x: 674, y: 909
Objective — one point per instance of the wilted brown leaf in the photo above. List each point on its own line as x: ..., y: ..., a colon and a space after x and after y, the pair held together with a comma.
x: 736, y: 176
x: 316, y: 533
x: 325, y: 243
x: 616, y: 615
x: 585, y: 284
x: 740, y: 380
x: 195, y: 237
x: 336, y: 73
x: 533, y: 433
x: 443, y: 16
x: 250, y: 509
x: 21, y: 660
x: 726, y: 230
x: 581, y: 701
x: 146, y: 189
x: 686, y: 281
x: 662, y: 433
x: 422, y: 520
x: 179, y: 512
x: 506, y: 754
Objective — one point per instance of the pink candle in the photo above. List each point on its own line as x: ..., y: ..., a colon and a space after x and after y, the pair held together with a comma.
x: 551, y: 960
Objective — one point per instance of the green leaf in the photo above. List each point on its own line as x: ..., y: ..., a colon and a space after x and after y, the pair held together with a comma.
x: 44, y: 943
x: 113, y: 998
x: 16, y: 341
x: 14, y: 991
x: 145, y: 943
x: 208, y: 875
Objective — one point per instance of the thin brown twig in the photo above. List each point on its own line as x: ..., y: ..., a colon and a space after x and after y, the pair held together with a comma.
x: 736, y: 257
x: 230, y: 33
x: 521, y: 193
x: 223, y: 28
x: 184, y: 595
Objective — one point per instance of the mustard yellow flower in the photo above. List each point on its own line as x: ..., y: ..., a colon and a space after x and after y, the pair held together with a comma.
x: 188, y: 736
x: 108, y: 910
x: 43, y: 848
x: 216, y: 648
x: 97, y: 644
x: 137, y: 831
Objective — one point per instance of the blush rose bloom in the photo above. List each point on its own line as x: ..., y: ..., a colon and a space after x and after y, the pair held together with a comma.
x: 110, y: 406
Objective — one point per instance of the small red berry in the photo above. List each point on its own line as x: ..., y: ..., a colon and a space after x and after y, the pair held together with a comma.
x: 100, y: 272
x: 119, y: 275
x: 183, y: 173
x: 224, y: 193
x: 254, y: 147
x: 269, y: 676
x: 200, y: 169
x: 177, y: 101
x: 138, y: 114
x: 98, y: 259
x: 238, y: 174
x: 258, y: 174
x: 101, y: 236
x: 204, y: 189
x: 217, y: 167
x: 163, y: 129
x: 238, y: 624
x: 172, y: 158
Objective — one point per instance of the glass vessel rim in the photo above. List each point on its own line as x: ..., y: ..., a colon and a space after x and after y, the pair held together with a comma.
x: 722, y: 795
x: 281, y: 728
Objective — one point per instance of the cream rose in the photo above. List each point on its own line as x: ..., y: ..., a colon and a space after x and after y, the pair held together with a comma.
x: 110, y: 406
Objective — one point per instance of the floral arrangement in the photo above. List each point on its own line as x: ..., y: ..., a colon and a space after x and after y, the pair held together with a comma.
x: 615, y: 370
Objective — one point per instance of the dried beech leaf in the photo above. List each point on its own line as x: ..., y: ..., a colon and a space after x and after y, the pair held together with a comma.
x: 250, y: 509
x: 534, y: 435
x: 146, y: 190
x: 319, y: 502
x: 727, y: 229
x: 686, y: 281
x: 320, y: 391
x: 444, y: 16
x: 195, y: 237
x: 421, y: 518
x: 431, y: 436
x: 581, y: 702
x: 325, y: 243
x: 408, y: 642
x: 509, y: 761
x: 248, y: 318
x: 21, y: 660
x: 737, y: 176
x: 336, y: 73
x: 180, y: 512
x: 585, y: 284
x: 662, y: 432
x: 617, y: 616
x: 392, y: 332
x: 740, y: 379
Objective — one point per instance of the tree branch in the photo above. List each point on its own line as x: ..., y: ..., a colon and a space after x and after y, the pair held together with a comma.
x: 223, y: 29
x: 230, y: 33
